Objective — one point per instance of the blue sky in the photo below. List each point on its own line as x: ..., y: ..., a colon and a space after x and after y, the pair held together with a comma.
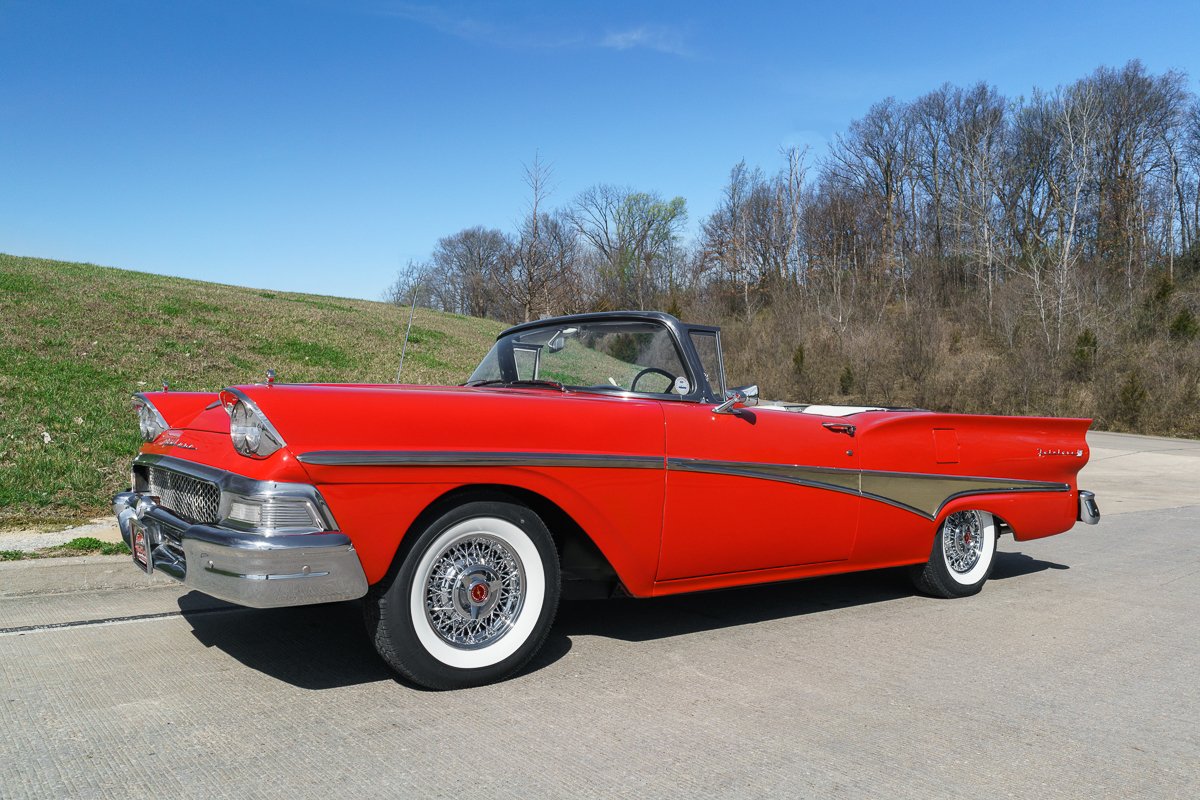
x: 317, y: 146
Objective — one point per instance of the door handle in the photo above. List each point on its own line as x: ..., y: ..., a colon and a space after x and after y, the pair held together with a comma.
x: 839, y: 427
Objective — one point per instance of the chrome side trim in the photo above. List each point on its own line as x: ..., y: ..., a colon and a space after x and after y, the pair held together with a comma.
x: 831, y: 478
x: 460, y: 458
x: 925, y: 494
x: 997, y: 489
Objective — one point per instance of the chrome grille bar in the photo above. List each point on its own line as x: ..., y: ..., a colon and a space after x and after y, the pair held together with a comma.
x: 186, y: 496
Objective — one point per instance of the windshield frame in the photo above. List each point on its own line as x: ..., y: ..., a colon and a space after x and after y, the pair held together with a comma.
x: 700, y: 391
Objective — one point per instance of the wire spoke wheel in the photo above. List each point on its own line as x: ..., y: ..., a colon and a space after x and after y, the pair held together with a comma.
x: 962, y: 541
x: 474, y: 591
x: 963, y: 552
x: 471, y: 596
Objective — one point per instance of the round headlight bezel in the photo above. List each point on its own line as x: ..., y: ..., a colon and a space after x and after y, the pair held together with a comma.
x: 250, y: 432
x: 151, y: 423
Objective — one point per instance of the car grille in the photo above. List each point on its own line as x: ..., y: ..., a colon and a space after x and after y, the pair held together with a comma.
x: 193, y: 499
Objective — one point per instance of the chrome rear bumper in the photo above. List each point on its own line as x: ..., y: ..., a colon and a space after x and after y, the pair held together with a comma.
x: 250, y: 569
x: 1089, y: 512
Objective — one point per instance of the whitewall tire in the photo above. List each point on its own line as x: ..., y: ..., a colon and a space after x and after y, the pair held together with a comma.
x: 964, y: 552
x: 470, y: 599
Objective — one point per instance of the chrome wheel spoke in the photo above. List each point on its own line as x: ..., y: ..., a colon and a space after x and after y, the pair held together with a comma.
x: 474, y: 591
x: 962, y: 541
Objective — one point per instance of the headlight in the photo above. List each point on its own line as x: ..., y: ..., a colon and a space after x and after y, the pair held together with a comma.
x: 150, y: 421
x: 252, y: 434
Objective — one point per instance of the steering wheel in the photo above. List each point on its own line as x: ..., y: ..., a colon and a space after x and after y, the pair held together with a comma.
x: 656, y: 371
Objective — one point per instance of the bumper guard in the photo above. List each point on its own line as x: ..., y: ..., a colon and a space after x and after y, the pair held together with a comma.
x: 1089, y: 512
x: 249, y: 569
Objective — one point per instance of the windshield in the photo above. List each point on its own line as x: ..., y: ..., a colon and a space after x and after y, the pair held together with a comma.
x: 627, y: 356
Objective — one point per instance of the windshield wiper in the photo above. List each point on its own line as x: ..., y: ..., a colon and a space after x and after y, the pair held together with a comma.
x: 526, y: 382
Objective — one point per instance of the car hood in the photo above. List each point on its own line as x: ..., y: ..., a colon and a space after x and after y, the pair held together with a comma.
x: 320, y: 417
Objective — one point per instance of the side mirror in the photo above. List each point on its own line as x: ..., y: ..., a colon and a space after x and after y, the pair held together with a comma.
x: 744, y: 396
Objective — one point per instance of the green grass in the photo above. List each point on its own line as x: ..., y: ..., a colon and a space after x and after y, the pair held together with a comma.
x: 82, y: 546
x: 76, y: 340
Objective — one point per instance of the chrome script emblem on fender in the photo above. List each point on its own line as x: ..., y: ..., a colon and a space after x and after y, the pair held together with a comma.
x: 1044, y: 453
x: 172, y: 440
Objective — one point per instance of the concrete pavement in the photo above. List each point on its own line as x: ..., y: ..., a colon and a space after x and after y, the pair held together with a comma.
x: 1071, y: 675
x: 1140, y: 473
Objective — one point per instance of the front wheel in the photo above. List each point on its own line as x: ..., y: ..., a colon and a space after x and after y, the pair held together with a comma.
x: 472, y: 599
x: 963, y: 553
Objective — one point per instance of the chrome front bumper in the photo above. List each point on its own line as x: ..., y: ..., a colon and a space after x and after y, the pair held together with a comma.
x: 1089, y: 512
x: 250, y: 569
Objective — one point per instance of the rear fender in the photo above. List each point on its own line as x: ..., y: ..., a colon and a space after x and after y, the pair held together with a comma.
x: 1030, y: 515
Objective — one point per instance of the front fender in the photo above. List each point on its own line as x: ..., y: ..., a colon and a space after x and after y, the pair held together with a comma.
x: 614, y: 507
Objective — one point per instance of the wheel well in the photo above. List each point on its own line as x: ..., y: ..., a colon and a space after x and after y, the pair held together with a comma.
x: 1002, y: 526
x: 579, y: 558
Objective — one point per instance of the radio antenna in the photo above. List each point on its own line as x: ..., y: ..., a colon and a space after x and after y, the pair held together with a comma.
x: 411, y: 313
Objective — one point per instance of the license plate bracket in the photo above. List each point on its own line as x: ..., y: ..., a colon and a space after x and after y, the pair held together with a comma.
x: 140, y: 544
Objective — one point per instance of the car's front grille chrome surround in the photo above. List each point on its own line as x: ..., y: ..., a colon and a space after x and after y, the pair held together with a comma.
x: 198, y: 494
x: 188, y: 497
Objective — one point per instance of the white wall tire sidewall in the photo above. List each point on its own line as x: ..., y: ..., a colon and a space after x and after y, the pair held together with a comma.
x: 531, y: 610
x: 978, y: 572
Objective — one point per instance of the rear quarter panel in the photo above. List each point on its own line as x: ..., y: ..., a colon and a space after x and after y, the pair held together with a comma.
x: 1040, y: 449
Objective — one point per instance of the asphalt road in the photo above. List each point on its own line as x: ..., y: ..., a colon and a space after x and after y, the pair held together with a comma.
x: 1074, y: 674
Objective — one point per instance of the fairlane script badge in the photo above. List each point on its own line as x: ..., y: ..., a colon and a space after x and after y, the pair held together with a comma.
x: 1043, y: 453
x: 172, y: 440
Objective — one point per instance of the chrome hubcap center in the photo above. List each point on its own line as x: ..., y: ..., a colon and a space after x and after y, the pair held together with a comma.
x: 478, y: 591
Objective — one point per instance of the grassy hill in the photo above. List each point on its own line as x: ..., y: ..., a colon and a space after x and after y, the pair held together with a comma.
x: 76, y: 340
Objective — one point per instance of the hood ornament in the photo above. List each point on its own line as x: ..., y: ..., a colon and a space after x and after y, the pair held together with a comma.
x: 270, y: 377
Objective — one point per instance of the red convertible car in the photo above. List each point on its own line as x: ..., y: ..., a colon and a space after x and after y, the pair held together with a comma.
x: 596, y: 451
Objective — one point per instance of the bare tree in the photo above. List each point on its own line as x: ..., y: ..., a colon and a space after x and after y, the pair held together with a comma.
x: 413, y: 283
x: 1137, y: 112
x: 1076, y: 113
x: 534, y: 274
x: 465, y: 264
x: 633, y: 235
x: 877, y: 155
x: 976, y: 141
x: 725, y: 234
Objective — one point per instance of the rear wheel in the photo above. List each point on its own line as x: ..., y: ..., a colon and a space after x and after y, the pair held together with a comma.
x: 471, y: 599
x: 964, y: 551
